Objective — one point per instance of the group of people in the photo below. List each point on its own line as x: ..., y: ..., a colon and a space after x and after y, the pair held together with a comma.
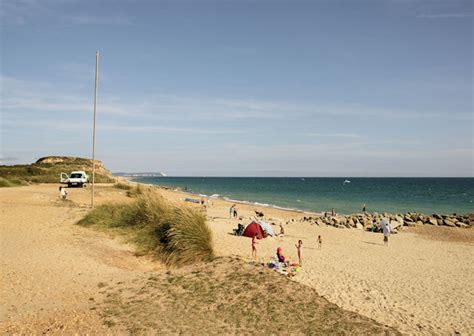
x: 279, y: 252
x: 385, y: 227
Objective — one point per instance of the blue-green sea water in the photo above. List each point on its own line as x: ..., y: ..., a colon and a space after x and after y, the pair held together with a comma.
x: 394, y: 195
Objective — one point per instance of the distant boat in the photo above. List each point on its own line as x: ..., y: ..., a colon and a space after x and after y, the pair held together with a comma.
x: 346, y: 181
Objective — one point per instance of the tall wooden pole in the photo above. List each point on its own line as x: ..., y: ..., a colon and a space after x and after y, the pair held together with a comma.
x: 95, y: 110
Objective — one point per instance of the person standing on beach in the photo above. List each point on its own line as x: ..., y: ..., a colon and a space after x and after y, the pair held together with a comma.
x: 254, y: 247
x: 320, y: 242
x: 387, y: 229
x: 364, y: 208
x: 235, y: 211
x: 231, y: 211
x: 298, y: 249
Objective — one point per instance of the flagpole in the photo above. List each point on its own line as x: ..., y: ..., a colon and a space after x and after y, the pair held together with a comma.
x: 93, y: 134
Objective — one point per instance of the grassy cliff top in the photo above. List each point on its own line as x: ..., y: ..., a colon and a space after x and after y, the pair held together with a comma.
x: 48, y: 170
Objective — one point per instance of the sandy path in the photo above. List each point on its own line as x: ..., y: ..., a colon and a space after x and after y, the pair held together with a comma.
x: 416, y: 285
x: 51, y: 269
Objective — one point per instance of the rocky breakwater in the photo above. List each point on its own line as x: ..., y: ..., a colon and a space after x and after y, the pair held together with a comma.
x: 367, y: 221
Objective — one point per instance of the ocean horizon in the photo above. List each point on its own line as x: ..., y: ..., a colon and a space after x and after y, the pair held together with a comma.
x: 428, y: 195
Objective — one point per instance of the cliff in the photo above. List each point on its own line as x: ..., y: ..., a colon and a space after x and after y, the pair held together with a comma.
x: 47, y: 170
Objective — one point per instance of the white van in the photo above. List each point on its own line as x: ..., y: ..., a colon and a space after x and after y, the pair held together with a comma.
x: 75, y: 179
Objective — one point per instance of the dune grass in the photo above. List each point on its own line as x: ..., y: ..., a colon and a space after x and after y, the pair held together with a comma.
x: 134, y: 192
x: 122, y: 186
x: 176, y: 235
x: 5, y: 183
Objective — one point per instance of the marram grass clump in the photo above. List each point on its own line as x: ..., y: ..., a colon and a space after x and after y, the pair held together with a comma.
x: 123, y: 186
x: 176, y: 235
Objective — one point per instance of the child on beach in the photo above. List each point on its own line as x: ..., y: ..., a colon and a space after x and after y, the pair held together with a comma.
x: 298, y: 249
x: 281, y: 258
x: 63, y: 192
x: 254, y: 247
x: 320, y: 242
x: 235, y: 211
x: 282, y: 231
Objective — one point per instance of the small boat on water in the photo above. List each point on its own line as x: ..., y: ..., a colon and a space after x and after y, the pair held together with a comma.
x: 346, y: 181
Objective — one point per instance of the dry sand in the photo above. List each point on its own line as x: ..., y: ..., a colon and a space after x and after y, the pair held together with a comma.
x: 49, y: 266
x: 52, y: 270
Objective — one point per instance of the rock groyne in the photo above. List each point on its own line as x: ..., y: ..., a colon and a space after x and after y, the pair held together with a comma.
x: 366, y: 221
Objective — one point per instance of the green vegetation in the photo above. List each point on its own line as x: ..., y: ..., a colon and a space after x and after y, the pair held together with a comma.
x: 48, y: 170
x: 4, y: 183
x: 177, y: 235
x: 122, y: 186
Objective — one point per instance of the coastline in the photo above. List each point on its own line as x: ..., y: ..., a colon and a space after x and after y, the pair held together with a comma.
x: 412, y: 284
x: 319, y: 195
x: 348, y: 220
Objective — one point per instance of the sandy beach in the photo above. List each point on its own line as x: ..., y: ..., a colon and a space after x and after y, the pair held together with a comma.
x: 418, y: 284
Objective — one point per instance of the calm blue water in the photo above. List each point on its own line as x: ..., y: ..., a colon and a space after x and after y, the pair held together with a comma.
x: 425, y: 195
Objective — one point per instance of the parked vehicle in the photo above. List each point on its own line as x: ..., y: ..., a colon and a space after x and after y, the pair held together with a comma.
x: 75, y: 179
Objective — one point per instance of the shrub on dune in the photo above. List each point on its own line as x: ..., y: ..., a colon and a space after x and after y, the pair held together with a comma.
x: 122, y: 186
x: 186, y: 237
x: 177, y: 235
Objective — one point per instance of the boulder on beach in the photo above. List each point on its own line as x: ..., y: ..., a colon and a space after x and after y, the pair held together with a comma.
x: 448, y: 222
x: 432, y: 221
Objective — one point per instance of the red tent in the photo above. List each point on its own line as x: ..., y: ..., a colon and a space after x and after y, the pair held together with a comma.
x: 252, y: 229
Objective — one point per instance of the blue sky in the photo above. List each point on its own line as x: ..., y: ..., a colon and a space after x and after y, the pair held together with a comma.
x: 242, y: 88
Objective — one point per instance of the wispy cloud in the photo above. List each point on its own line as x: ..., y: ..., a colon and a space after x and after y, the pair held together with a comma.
x: 79, y: 125
x: 445, y: 16
x: 20, y: 12
x: 333, y: 135
x: 243, y: 51
x: 38, y: 100
x: 20, y: 96
x: 100, y: 20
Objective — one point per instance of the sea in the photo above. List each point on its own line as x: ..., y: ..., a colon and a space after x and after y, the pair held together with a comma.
x: 345, y: 195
